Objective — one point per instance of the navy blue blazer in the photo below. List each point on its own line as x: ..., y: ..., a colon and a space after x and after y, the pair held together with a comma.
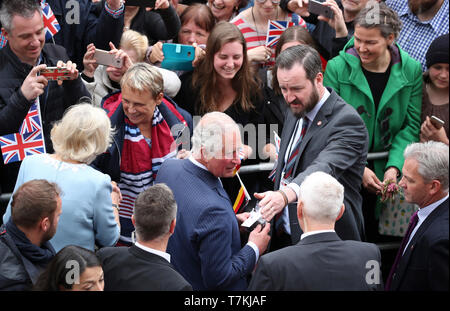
x: 424, y: 264
x: 206, y: 246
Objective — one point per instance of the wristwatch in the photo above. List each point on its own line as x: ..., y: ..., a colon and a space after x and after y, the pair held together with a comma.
x: 116, y: 207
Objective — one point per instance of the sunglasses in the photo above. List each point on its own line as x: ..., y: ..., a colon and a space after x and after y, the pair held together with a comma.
x: 273, y: 1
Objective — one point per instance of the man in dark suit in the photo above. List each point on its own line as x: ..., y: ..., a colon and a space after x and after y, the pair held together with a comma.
x: 422, y: 260
x: 206, y: 245
x: 321, y: 133
x: 321, y: 260
x: 146, y: 265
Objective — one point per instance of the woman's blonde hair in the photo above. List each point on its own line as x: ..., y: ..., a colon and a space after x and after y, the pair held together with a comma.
x: 83, y: 133
x: 133, y: 40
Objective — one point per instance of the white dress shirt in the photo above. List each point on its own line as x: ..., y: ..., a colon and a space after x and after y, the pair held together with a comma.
x: 164, y: 255
x: 422, y: 214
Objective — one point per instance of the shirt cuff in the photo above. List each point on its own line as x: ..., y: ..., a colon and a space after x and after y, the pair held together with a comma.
x: 294, y: 187
x: 255, y: 248
x: 114, y: 13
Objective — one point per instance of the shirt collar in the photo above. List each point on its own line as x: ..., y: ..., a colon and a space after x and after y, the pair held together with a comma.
x: 196, y: 163
x: 424, y: 212
x: 434, y: 22
x: 312, y: 114
x: 164, y: 255
x: 304, y: 235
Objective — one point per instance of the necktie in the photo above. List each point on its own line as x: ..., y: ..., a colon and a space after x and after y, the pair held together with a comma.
x: 288, y: 169
x: 412, y: 224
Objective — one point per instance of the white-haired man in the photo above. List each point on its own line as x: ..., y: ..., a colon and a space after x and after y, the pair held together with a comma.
x: 206, y: 246
x: 321, y: 260
x: 422, y: 260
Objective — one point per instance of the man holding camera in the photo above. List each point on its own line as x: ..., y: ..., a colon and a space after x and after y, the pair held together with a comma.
x: 22, y: 85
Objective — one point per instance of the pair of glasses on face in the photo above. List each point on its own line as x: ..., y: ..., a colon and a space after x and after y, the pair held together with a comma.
x: 273, y: 1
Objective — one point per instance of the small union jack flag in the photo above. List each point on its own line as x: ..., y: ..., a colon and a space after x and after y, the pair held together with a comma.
x: 51, y: 25
x: 28, y: 141
x: 276, y: 28
x: 274, y: 31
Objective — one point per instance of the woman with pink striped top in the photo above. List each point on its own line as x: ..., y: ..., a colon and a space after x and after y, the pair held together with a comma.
x: 253, y: 23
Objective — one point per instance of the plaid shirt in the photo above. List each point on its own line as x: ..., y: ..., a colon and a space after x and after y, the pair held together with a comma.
x: 113, y: 13
x: 416, y: 36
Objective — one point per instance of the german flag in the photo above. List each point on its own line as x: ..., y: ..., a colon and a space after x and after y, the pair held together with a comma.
x: 242, y: 198
x: 239, y: 200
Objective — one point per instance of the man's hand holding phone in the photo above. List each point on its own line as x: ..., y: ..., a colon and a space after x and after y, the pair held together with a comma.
x: 34, y: 84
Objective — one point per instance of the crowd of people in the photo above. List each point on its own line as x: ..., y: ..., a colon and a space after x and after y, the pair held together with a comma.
x: 125, y: 177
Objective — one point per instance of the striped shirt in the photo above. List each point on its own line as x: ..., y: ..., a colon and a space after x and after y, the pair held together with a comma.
x: 138, y: 169
x: 255, y: 39
x: 416, y: 36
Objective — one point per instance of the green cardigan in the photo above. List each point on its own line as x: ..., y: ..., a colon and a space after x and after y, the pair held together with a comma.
x: 401, y: 102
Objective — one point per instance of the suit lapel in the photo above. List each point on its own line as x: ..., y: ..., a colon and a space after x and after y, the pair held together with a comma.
x: 320, y: 120
x: 288, y: 131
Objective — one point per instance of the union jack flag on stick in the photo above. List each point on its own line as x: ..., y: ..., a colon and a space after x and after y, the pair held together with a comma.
x: 276, y: 28
x: 51, y: 25
x: 28, y: 141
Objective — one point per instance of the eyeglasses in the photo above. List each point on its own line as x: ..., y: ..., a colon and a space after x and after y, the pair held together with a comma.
x: 273, y: 1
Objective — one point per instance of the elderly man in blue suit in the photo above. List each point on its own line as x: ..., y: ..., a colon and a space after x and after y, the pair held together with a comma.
x: 206, y: 246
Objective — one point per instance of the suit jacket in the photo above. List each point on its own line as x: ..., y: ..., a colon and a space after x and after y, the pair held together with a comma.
x: 320, y: 262
x: 132, y: 268
x: 206, y: 246
x: 424, y: 264
x: 335, y: 143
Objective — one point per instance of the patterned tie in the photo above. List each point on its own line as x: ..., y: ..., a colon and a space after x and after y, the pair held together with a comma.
x: 289, y: 167
x: 412, y: 224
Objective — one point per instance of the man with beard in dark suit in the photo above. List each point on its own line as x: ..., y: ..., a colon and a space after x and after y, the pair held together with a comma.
x: 321, y: 133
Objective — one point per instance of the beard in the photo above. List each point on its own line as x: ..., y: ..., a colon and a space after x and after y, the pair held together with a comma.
x: 420, y: 6
x: 307, y: 106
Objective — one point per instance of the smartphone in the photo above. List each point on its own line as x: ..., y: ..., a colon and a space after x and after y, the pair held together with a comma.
x: 437, y: 123
x: 55, y: 73
x: 178, y: 56
x: 105, y: 58
x: 141, y: 3
x: 318, y: 8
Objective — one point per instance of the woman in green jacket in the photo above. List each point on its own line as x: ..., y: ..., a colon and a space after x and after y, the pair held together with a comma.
x: 384, y: 84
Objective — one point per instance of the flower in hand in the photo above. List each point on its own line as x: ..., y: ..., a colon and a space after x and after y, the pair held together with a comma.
x: 390, y: 190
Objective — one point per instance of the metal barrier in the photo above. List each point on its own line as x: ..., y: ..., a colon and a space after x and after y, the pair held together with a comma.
x: 261, y: 167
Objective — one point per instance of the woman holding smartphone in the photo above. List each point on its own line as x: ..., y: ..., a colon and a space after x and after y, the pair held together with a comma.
x: 384, y: 84
x: 435, y: 92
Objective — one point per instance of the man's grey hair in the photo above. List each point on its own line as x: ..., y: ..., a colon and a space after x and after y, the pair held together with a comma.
x: 432, y: 159
x: 322, y: 197
x: 154, y: 210
x: 209, y: 132
x: 23, y: 8
x: 303, y: 55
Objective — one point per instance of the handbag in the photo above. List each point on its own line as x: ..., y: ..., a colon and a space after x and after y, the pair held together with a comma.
x: 395, y: 215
